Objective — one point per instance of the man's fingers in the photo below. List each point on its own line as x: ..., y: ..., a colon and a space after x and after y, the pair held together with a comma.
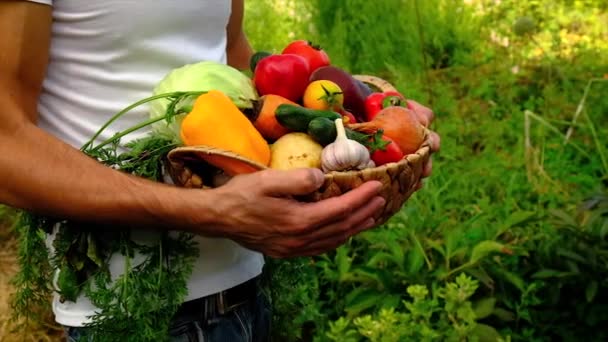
x: 435, y: 141
x: 428, y: 168
x: 329, y: 236
x: 339, y: 207
x: 326, y: 245
x: 344, y: 226
x: 290, y: 182
x: 425, y: 114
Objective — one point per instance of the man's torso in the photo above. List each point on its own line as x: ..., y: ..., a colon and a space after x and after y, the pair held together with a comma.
x: 106, y: 55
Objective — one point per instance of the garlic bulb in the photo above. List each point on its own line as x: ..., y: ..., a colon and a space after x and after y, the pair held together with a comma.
x: 344, y: 154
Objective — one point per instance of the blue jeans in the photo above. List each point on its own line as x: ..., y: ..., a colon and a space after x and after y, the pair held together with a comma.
x: 249, y: 322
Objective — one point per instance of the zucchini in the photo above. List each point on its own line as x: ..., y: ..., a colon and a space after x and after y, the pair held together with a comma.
x: 297, y: 118
x: 323, y: 131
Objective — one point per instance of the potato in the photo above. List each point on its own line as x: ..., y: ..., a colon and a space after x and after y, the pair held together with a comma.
x: 295, y: 150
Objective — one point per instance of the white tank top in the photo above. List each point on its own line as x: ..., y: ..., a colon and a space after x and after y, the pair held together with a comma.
x: 107, y: 54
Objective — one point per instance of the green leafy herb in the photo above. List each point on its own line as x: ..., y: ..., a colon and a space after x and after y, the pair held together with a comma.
x: 139, y: 304
x: 32, y: 282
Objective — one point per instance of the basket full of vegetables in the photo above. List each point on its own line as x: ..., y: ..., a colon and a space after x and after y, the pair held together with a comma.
x: 302, y: 111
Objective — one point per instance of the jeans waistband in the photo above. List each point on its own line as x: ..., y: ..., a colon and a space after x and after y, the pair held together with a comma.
x: 222, y: 302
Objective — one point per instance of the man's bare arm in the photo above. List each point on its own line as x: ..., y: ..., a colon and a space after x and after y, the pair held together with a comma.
x: 39, y: 172
x: 238, y: 48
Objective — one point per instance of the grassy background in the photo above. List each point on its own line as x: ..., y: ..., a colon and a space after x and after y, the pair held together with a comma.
x: 505, y: 79
x: 513, y: 204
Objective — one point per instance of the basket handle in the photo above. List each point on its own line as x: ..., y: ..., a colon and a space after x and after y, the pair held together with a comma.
x: 377, y: 82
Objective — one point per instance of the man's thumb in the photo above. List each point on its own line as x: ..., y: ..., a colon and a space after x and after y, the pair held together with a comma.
x: 291, y: 182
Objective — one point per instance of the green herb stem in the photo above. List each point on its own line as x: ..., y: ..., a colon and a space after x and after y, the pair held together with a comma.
x: 178, y: 95
x: 598, y: 144
x: 160, y: 263
x: 125, y: 132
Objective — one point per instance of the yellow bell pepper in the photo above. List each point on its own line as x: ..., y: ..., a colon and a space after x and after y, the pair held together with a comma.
x: 215, y: 121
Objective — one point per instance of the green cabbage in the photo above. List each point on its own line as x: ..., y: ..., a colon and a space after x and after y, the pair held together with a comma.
x: 201, y: 76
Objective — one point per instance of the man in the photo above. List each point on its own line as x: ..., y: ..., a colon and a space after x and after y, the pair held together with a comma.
x: 65, y: 66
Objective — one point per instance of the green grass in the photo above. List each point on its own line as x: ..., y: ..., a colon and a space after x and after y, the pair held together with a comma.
x: 504, y: 173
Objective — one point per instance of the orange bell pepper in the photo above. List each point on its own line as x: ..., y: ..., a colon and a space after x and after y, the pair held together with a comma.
x: 215, y: 121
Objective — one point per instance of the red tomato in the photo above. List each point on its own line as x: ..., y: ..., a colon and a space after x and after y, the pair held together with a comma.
x: 283, y: 75
x: 314, y: 55
x: 391, y: 153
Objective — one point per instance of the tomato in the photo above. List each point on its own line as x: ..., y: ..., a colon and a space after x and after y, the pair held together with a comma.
x: 375, y: 102
x: 314, y: 55
x: 283, y: 75
x: 323, y: 95
x: 389, y: 153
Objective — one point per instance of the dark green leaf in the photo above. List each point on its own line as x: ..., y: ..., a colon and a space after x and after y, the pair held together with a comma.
x: 572, y: 266
x: 76, y: 260
x: 362, y: 299
x: 481, y: 275
x: 453, y: 239
x: 380, y: 277
x: 515, y: 219
x: 391, y: 301
x: 604, y: 230
x: 565, y: 218
x: 549, y: 273
x: 484, y: 307
x: 460, y: 253
x: 486, y: 333
x: 591, y: 291
x: 504, y: 315
x: 93, y: 252
x: 484, y: 248
x: 511, y: 277
x: 343, y: 262
x: 397, y: 251
x: 570, y: 254
x: 379, y: 257
x: 67, y: 282
x: 437, y: 246
x: 414, y: 261
x: 518, y: 218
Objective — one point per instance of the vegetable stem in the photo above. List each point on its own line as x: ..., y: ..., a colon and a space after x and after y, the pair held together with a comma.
x: 340, y: 129
x: 178, y: 95
x: 127, y: 131
x: 160, y: 263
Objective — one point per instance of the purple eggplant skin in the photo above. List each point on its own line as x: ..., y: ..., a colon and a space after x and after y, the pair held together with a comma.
x: 365, y: 89
x: 354, y: 95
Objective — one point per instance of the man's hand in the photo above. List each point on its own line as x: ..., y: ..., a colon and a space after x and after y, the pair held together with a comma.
x: 426, y: 117
x: 258, y: 211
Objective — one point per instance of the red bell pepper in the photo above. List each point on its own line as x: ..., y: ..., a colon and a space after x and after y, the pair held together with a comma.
x: 375, y: 102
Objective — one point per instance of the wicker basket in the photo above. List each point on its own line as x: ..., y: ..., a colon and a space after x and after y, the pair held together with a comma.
x: 187, y: 168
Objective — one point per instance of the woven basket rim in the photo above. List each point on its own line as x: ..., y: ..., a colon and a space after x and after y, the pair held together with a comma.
x: 422, y: 152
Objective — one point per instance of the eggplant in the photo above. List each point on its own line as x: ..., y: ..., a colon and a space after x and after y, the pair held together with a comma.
x: 354, y: 94
x: 365, y: 89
